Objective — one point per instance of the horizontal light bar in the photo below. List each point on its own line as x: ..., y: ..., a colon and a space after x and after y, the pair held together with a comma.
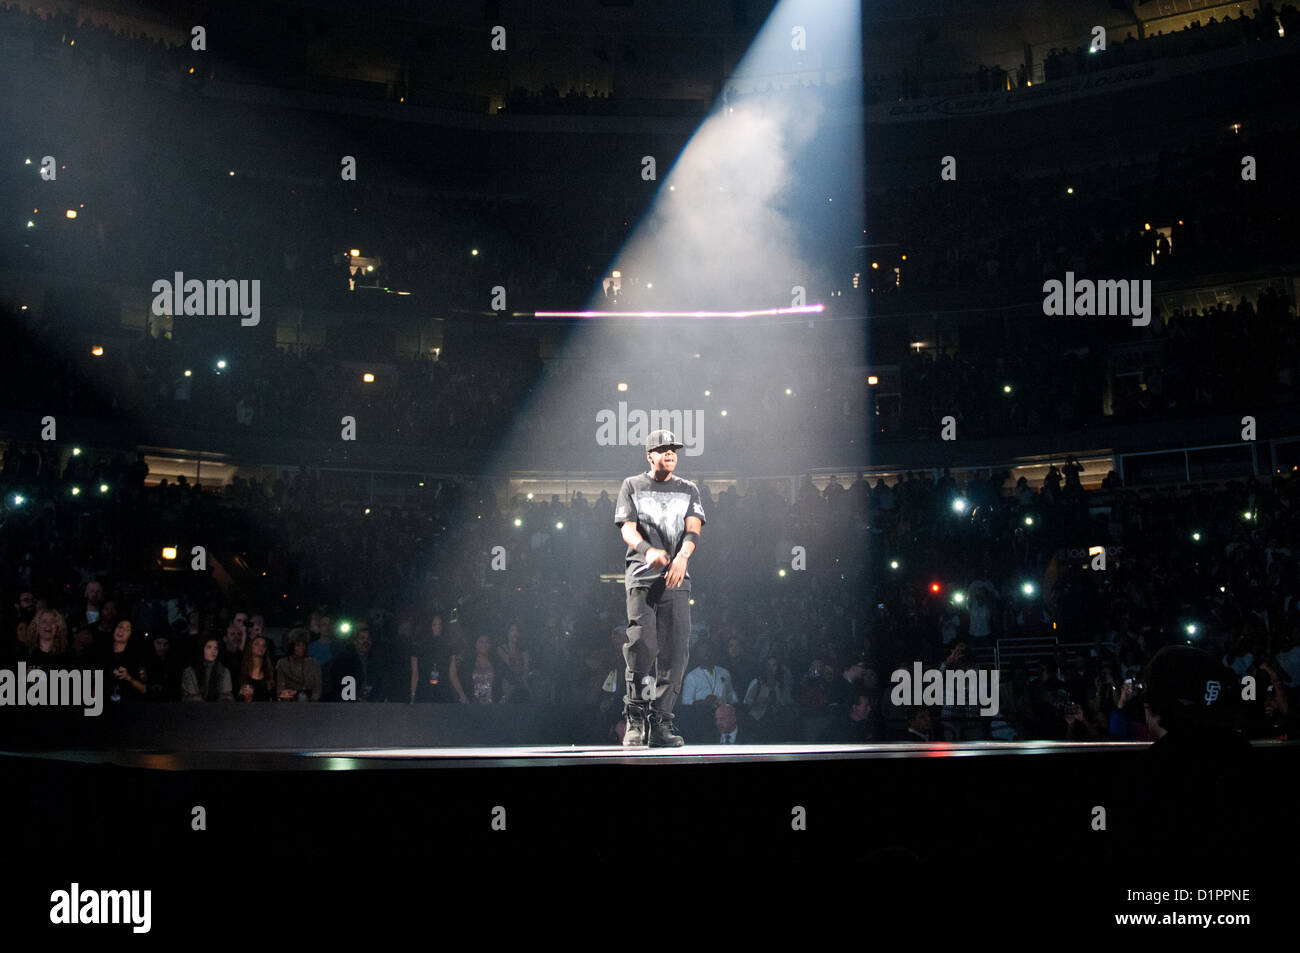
x: 806, y: 309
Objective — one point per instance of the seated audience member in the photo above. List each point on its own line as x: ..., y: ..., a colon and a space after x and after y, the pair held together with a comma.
x: 727, y: 729
x: 103, y: 627
x: 162, y: 673
x: 737, y: 662
x: 46, y: 640
x: 770, y: 704
x: 87, y: 611
x: 704, y: 689
x: 844, y: 690
x: 83, y: 653
x: 1271, y: 716
x: 257, y: 678
x: 25, y: 606
x: 517, y: 662
x: 1193, y: 791
x: 708, y: 683
x: 363, y: 662
x: 298, y: 674
x: 1127, y: 722
x: 814, y: 692
x: 918, y: 728
x: 853, y: 726
x: 430, y: 657
x: 326, y: 645
x: 256, y: 626
x: 235, y: 647
x: 208, y: 680
x: 476, y: 679
x: 1078, y: 724
x: 123, y: 665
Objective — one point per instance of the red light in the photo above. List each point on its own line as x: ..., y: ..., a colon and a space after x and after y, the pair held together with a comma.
x: 934, y: 587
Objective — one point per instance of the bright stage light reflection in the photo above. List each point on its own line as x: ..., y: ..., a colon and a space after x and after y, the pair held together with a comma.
x: 806, y: 309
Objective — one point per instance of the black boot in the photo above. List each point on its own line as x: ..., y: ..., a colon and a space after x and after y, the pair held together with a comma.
x: 663, y: 733
x: 637, y: 730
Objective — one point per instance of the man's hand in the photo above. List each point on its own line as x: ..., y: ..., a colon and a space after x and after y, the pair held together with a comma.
x: 655, y: 558
x: 676, y: 572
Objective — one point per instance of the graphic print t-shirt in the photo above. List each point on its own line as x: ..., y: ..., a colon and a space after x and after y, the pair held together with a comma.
x: 659, y: 511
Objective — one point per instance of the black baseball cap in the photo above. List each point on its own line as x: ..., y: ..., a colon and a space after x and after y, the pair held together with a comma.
x: 662, y: 440
x: 1188, y: 687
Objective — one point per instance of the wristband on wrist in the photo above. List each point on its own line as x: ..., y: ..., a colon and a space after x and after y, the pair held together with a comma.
x: 693, y: 537
x: 642, y: 548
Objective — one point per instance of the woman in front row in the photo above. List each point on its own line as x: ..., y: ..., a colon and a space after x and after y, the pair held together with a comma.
x: 209, y: 680
x: 476, y: 679
x: 257, y: 680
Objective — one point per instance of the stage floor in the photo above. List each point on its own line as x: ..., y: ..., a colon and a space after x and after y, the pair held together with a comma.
x: 263, y: 759
x: 988, y: 816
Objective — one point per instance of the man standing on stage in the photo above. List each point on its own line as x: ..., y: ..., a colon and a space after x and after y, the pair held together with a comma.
x: 660, y: 514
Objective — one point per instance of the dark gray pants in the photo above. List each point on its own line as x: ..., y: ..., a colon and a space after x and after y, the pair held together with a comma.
x: 658, y: 638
